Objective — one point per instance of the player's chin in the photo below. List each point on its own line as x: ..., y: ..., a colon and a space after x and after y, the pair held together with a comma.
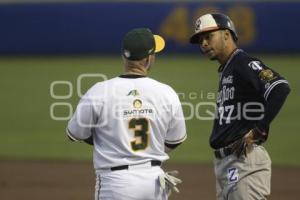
x: 213, y: 58
x: 211, y: 55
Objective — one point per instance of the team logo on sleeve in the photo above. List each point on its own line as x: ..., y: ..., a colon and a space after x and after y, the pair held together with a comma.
x: 266, y: 75
x: 137, y: 104
x: 255, y: 65
x: 133, y: 93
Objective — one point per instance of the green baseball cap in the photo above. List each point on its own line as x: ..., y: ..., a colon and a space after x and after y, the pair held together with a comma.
x: 140, y: 43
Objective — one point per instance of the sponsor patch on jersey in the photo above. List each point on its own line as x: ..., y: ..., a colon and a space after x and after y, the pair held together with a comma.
x: 138, y: 112
x: 266, y: 75
x: 137, y: 103
x: 255, y: 65
x: 232, y: 175
x: 133, y: 93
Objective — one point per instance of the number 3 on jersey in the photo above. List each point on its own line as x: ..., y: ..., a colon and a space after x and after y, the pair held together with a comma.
x: 140, y: 128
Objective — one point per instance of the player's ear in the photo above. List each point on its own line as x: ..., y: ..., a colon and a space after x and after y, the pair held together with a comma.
x: 226, y: 34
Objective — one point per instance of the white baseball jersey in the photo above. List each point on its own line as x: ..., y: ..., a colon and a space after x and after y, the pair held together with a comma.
x: 130, y: 118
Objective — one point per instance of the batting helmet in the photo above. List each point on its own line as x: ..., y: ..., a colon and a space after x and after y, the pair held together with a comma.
x: 210, y: 22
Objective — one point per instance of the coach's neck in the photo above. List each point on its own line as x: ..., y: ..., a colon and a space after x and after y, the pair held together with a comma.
x: 136, y: 70
x: 138, y: 67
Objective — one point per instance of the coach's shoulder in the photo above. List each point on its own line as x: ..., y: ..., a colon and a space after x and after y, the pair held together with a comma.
x: 99, y: 88
x: 169, y: 91
x: 164, y: 86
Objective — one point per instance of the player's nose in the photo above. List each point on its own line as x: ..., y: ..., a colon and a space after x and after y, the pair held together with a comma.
x: 203, y: 43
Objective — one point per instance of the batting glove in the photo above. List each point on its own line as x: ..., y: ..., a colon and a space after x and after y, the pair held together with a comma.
x: 169, y: 182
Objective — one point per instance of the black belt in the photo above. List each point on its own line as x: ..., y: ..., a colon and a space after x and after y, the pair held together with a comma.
x: 223, y: 152
x: 122, y: 167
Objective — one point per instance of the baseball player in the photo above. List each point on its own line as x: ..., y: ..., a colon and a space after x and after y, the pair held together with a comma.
x: 132, y: 121
x: 250, y: 95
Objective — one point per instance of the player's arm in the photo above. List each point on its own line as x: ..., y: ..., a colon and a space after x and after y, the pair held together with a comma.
x: 272, y: 87
x: 170, y: 147
x: 80, y: 127
x: 89, y: 140
x: 275, y: 101
x: 176, y: 133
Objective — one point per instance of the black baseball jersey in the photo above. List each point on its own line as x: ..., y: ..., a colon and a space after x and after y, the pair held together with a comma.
x: 245, y: 84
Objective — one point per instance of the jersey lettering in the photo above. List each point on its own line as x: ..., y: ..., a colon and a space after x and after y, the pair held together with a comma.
x: 227, y: 93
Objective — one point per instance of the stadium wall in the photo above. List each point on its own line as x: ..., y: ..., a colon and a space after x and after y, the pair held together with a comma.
x: 68, y: 28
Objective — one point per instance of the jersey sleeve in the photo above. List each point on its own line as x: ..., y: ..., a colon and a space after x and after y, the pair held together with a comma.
x: 261, y: 77
x: 176, y: 132
x: 80, y: 126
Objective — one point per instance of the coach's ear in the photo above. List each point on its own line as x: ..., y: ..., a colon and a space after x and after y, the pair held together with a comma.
x: 148, y: 62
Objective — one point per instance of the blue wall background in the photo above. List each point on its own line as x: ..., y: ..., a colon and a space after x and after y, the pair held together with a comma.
x: 99, y: 27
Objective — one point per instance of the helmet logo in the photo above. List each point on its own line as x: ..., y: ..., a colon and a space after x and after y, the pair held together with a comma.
x: 198, y: 25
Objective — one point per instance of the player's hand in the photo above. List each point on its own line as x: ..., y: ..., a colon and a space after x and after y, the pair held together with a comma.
x: 169, y: 182
x: 239, y: 147
x: 256, y: 136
